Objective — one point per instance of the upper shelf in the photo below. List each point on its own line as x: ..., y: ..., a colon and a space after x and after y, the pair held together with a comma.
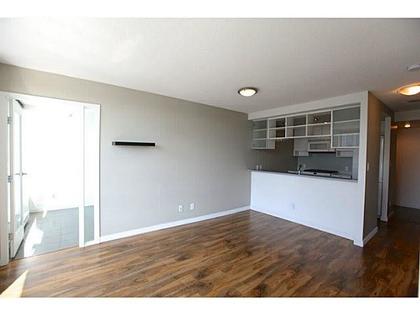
x: 134, y: 143
x: 343, y: 121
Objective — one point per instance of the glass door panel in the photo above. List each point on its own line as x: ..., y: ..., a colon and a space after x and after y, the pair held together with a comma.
x: 16, y: 225
x: 91, y: 173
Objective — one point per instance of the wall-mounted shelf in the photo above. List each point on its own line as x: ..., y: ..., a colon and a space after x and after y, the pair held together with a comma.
x: 134, y: 143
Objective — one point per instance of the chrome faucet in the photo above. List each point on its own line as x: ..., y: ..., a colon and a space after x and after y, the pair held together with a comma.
x: 300, y: 169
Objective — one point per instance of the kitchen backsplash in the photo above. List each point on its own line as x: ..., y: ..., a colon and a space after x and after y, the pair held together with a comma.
x: 327, y: 161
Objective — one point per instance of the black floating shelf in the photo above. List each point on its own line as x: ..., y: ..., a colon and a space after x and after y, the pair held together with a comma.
x: 134, y: 143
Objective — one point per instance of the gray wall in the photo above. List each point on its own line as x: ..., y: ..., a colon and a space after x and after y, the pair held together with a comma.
x: 201, y: 156
x: 407, y: 193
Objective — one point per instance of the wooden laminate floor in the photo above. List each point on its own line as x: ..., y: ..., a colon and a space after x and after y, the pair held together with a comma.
x: 245, y: 254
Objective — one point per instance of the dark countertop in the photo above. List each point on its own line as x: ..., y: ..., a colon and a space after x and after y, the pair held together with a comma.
x: 294, y: 173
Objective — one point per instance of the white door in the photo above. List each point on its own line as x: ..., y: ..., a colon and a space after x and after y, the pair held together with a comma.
x: 16, y: 214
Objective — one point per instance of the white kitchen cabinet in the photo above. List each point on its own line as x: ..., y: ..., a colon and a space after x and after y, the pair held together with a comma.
x: 320, y: 145
x: 346, y: 127
x: 260, y: 139
x: 340, y: 126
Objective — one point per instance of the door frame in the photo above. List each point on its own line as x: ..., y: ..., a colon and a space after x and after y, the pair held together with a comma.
x: 4, y: 172
x: 4, y: 149
x: 386, y: 169
x: 96, y: 204
x: 18, y: 234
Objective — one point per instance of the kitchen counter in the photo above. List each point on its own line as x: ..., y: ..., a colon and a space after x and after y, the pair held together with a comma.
x: 295, y: 173
x: 333, y: 205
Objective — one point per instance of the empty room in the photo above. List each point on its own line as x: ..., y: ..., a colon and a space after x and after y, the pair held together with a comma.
x: 209, y: 157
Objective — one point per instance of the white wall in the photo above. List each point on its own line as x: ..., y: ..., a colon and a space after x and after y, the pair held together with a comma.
x: 201, y: 153
x: 408, y: 168
x: 326, y: 204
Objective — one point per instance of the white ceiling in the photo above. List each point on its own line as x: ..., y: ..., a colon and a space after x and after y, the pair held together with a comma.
x: 208, y: 60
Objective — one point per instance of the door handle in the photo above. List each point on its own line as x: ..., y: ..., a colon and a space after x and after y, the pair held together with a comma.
x: 21, y: 174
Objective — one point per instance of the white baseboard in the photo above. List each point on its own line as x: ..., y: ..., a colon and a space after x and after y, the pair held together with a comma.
x: 90, y: 243
x: 162, y: 226
x: 370, y: 235
x: 358, y: 242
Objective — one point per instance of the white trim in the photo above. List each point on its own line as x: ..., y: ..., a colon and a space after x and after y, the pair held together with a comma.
x: 362, y: 164
x: 96, y: 209
x: 386, y: 170
x: 82, y: 181
x: 93, y: 242
x: 162, y: 226
x: 370, y: 235
x: 45, y: 99
x: 50, y: 100
x: 358, y: 243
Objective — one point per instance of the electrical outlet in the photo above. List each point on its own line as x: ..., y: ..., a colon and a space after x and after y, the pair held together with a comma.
x: 192, y: 206
x: 180, y: 208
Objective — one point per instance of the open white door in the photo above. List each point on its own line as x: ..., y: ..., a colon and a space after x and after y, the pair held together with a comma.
x: 16, y: 214
x: 13, y: 208
x: 4, y: 172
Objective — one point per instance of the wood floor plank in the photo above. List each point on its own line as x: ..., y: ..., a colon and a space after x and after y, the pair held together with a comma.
x: 245, y: 254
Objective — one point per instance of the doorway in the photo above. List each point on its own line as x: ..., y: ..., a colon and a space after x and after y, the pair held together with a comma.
x: 53, y: 175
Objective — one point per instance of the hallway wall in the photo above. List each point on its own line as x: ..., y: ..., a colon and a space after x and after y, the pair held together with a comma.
x: 407, y: 188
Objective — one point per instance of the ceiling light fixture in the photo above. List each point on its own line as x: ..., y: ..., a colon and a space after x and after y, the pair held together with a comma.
x: 248, y: 91
x: 414, y: 67
x: 407, y: 125
x: 410, y: 90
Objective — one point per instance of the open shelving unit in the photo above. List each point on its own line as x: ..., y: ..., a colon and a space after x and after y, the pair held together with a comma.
x: 340, y: 125
x: 346, y: 127
x: 260, y: 135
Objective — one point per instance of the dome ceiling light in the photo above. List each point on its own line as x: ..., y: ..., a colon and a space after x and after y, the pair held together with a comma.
x: 248, y: 91
x: 410, y: 90
x: 414, y: 67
